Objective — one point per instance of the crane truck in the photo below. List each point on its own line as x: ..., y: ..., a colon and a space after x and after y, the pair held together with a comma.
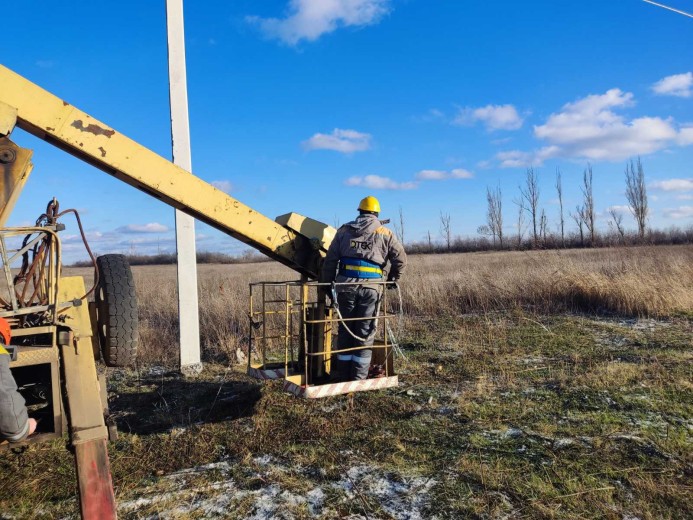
x: 58, y: 333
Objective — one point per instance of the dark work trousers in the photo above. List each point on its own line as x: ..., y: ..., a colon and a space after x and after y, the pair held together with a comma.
x: 355, y: 302
x: 14, y: 421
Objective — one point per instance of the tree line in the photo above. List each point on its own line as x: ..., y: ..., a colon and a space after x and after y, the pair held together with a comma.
x: 532, y: 223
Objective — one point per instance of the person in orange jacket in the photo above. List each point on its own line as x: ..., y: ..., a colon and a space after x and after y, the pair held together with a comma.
x: 15, y: 424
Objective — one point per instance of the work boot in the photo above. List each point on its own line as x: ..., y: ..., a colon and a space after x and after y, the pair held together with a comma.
x: 376, y: 371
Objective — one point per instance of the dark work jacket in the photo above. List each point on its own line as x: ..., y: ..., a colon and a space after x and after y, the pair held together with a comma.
x: 364, y: 238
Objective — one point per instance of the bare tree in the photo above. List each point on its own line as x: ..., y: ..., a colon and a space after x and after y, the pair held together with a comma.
x: 520, y: 220
x: 494, y: 214
x: 578, y: 217
x: 530, y: 193
x: 543, y: 224
x: 489, y: 229
x: 399, y: 226
x: 559, y: 190
x: 499, y: 214
x: 485, y: 231
x: 617, y: 219
x: 430, y: 242
x: 636, y: 193
x: 445, y: 230
x: 588, y: 216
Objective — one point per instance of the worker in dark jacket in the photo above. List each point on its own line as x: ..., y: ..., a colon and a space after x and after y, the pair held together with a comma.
x: 358, y: 254
x: 15, y: 424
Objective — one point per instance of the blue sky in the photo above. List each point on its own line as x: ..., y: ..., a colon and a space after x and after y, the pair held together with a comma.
x: 309, y: 105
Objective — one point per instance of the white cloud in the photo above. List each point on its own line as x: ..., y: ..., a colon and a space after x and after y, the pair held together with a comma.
x: 623, y: 210
x: 494, y: 117
x: 680, y: 212
x: 344, y: 141
x: 590, y: 129
x: 92, y: 236
x: 431, y: 175
x: 376, y: 182
x: 673, y: 185
x: 431, y: 115
x: 519, y: 159
x: 224, y: 186
x: 685, y: 136
x: 310, y: 19
x: 680, y: 85
x: 152, y: 227
x: 461, y: 173
x: 684, y: 197
x: 147, y: 241
x: 439, y: 175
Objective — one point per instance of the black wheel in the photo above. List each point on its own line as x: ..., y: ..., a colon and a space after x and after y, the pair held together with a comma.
x: 116, y: 311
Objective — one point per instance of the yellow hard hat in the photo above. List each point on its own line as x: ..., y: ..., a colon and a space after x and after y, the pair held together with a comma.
x: 369, y: 204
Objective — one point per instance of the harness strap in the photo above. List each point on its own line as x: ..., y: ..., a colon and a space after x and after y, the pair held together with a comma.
x: 359, y: 268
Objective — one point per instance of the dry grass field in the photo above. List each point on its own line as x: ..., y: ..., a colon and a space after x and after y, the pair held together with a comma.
x: 554, y: 384
x: 632, y: 282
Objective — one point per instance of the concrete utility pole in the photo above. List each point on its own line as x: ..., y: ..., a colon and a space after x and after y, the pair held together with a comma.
x: 188, y: 317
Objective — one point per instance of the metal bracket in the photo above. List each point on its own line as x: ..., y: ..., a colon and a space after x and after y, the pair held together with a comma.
x: 12, y: 350
x: 65, y: 337
x: 90, y: 434
x: 15, y: 165
x: 8, y: 119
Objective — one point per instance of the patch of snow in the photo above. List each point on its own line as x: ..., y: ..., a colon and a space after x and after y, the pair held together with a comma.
x: 265, y: 460
x: 400, y: 497
x: 560, y: 444
x: 316, y: 499
x: 156, y: 370
x: 532, y: 360
x: 328, y: 408
x: 512, y: 433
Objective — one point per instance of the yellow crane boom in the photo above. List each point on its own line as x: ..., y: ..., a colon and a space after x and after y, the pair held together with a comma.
x: 68, y: 347
x: 292, y: 239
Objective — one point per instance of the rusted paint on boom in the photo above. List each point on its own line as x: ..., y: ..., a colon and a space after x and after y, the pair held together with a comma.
x: 96, y: 497
x: 92, y: 128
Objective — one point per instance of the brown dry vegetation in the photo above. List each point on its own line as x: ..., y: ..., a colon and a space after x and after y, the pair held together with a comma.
x: 638, y: 281
x: 634, y: 282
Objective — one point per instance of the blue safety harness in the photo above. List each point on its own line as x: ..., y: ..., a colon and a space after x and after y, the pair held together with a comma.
x: 359, y: 268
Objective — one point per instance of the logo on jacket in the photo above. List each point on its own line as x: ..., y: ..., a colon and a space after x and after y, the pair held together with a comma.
x: 361, y: 246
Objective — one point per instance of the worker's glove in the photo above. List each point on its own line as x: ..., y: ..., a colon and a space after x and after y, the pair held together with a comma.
x: 392, y: 284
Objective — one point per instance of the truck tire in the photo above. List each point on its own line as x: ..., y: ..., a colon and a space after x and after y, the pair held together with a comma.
x: 116, y: 311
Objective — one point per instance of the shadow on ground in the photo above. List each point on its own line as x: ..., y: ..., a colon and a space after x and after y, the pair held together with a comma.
x: 159, y: 403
